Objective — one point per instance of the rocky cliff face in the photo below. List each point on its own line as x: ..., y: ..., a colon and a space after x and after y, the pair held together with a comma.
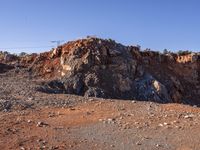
x: 104, y: 68
x: 179, y: 74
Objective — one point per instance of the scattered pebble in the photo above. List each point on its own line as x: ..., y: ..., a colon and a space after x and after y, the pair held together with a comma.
x: 138, y: 143
x: 72, y: 109
x: 158, y: 145
x: 189, y: 116
x: 91, y: 100
x: 100, y: 120
x: 88, y: 113
x: 22, y: 148
x: 41, y: 124
x: 110, y: 120
x: 112, y: 146
x: 165, y: 123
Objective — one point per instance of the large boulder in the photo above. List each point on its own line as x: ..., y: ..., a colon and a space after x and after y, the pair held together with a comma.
x: 150, y: 89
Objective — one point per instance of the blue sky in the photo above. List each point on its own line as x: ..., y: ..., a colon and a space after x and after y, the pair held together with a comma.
x: 30, y: 25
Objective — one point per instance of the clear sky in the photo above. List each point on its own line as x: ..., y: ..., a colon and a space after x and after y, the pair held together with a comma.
x: 30, y: 25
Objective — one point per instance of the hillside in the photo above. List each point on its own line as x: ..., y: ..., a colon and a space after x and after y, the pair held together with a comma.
x: 98, y: 94
x: 103, y: 68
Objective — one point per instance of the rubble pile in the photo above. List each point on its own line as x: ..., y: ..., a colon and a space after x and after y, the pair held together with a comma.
x: 95, y: 67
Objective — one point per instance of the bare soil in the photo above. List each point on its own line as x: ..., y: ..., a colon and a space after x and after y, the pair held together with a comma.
x: 33, y: 120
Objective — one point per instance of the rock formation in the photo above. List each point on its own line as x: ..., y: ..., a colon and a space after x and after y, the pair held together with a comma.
x: 96, y: 67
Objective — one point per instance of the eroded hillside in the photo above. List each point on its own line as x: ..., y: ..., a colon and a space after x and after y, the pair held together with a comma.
x: 94, y: 67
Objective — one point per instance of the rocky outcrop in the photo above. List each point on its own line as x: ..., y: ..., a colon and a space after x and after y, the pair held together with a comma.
x: 148, y: 88
x: 104, y: 68
x: 179, y: 73
x: 96, y: 67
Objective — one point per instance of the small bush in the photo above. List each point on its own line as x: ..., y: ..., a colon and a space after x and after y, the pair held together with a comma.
x: 185, y: 52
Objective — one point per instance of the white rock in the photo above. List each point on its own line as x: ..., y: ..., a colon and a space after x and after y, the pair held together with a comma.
x: 165, y: 123
x: 188, y: 116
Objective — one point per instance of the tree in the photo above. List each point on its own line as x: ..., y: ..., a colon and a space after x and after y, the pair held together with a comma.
x: 139, y: 47
x: 22, y: 54
x: 165, y: 51
x: 184, y: 52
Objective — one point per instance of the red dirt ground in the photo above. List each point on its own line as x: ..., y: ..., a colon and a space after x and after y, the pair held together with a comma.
x: 139, y: 125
